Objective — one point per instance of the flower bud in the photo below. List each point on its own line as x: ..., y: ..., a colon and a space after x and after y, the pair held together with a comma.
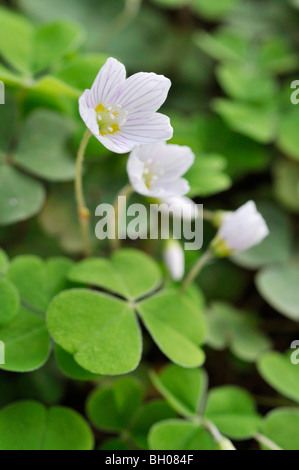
x: 239, y: 231
x: 174, y: 259
x: 226, y: 444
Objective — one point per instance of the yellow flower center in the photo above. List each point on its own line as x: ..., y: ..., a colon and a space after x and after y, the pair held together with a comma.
x: 110, y: 119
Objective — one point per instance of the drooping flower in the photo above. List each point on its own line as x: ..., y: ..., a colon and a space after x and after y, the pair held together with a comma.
x: 122, y: 113
x: 239, y: 231
x: 156, y: 170
x: 174, y: 259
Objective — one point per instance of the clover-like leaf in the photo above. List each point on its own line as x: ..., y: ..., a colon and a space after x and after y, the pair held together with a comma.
x: 100, y: 331
x: 281, y: 426
x: 21, y: 197
x: 244, y: 83
x: 278, y: 285
x: 112, y: 408
x: 28, y: 425
x: 176, y: 325
x: 53, y: 41
x: 10, y: 301
x: 42, y: 155
x: 26, y: 340
x: 16, y: 36
x: 180, y: 435
x: 184, y: 389
x: 257, y: 122
x: 130, y: 273
x: 151, y: 413
x: 69, y: 366
x: 207, y: 175
x: 238, y: 330
x: 233, y: 411
x: 4, y: 262
x: 279, y: 372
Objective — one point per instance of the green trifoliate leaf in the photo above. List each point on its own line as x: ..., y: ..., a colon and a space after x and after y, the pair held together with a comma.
x: 78, y: 72
x: 180, y: 435
x: 288, y: 139
x: 225, y: 45
x: 21, y: 197
x: 28, y: 425
x: 112, y: 408
x: 148, y: 415
x: 255, y: 121
x: 247, y: 83
x: 176, y: 325
x: 130, y: 273
x: 279, y: 372
x: 233, y: 412
x: 279, y: 287
x: 69, y: 366
x: 10, y: 301
x: 207, y: 175
x: 101, y: 332
x: 184, y: 389
x: 27, y: 342
x: 42, y: 155
x: 236, y: 329
x: 281, y: 427
x: 4, y: 263
x: 53, y: 41
x: 16, y: 38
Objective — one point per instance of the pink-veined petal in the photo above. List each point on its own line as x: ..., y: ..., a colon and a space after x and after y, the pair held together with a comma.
x: 88, y: 114
x: 144, y: 92
x: 146, y: 128
x: 107, y: 83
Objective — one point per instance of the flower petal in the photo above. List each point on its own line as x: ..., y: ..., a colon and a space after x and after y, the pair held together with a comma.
x: 107, y: 83
x: 144, y: 92
x: 145, y: 128
x: 88, y: 114
x: 178, y: 187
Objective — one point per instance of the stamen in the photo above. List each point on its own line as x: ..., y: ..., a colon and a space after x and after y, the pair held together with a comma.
x: 110, y: 118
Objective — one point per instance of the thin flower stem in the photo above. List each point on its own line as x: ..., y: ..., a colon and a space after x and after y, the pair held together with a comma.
x: 125, y: 192
x: 214, y: 431
x: 83, y: 212
x: 199, y: 265
x: 266, y: 442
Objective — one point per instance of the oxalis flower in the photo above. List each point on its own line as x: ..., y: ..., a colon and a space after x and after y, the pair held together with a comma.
x: 121, y: 113
x: 156, y: 170
x: 239, y: 231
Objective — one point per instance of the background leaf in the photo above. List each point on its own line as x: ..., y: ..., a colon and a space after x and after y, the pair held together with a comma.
x: 28, y: 425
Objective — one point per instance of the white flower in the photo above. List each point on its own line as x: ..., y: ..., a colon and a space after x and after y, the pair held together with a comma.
x: 121, y: 113
x: 240, y: 231
x: 175, y: 259
x: 156, y: 170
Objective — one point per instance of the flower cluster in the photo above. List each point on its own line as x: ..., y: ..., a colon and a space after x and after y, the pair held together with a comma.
x: 122, y: 114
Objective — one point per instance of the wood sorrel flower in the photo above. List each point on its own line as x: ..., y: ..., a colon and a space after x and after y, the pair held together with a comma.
x: 239, y: 231
x: 156, y: 170
x: 121, y: 113
x: 174, y: 259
